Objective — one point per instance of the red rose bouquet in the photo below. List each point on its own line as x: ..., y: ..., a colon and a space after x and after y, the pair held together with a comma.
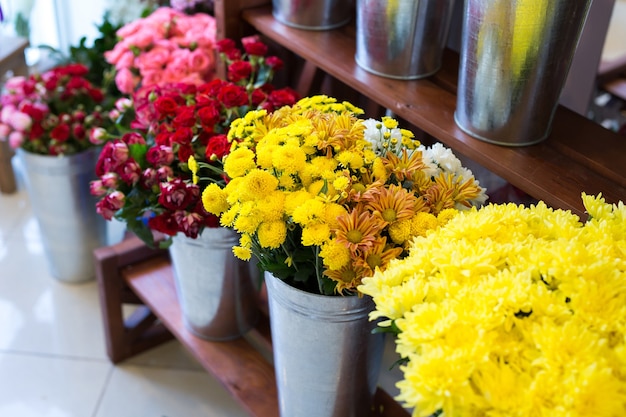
x: 53, y: 113
x: 145, y: 178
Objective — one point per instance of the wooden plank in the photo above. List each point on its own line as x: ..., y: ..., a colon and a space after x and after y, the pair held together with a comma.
x: 579, y: 155
x: 241, y: 369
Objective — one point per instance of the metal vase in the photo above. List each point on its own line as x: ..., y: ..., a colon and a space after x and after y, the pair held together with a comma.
x: 313, y: 14
x: 515, y: 57
x: 215, y: 289
x: 402, y: 39
x: 326, y: 358
x: 58, y: 189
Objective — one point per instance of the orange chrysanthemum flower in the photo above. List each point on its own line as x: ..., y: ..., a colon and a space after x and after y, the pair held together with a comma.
x: 358, y: 230
x: 403, y: 166
x: 392, y: 203
x: 348, y: 278
x: 378, y: 256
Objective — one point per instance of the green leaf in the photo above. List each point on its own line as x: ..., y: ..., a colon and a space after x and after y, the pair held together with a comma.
x: 138, y: 153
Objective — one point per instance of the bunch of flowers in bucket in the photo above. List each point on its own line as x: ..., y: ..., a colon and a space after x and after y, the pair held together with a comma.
x: 512, y: 311
x: 144, y: 176
x: 167, y: 46
x: 53, y: 113
x: 323, y: 198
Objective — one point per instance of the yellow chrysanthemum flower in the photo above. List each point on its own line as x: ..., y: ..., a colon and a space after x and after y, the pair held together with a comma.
x: 400, y: 232
x: 245, y: 254
x: 272, y: 234
x: 315, y: 234
x: 239, y: 162
x: 257, y: 184
x: 214, y: 199
x: 334, y: 255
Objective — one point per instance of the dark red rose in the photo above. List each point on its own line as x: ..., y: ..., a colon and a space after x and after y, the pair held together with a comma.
x: 255, y: 48
x: 163, y: 138
x: 188, y: 223
x: 225, y: 45
x: 184, y: 152
x: 112, y: 155
x: 36, y: 131
x: 233, y: 96
x: 163, y: 223
x: 96, y: 94
x: 110, y: 204
x: 133, y: 138
x: 182, y: 135
x: 61, y: 133
x: 185, y: 117
x: 228, y: 48
x: 274, y: 62
x: 210, y: 89
x: 165, y: 106
x: 149, y: 178
x: 36, y: 113
x: 209, y: 116
x: 129, y: 172
x: 282, y: 97
x: 177, y: 195
x: 160, y: 155
x: 218, y: 147
x: 258, y: 96
x: 78, y: 131
x: 72, y: 69
x: 239, y: 70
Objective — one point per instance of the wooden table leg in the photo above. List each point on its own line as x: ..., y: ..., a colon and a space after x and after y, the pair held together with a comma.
x: 7, y: 176
x: 126, y: 337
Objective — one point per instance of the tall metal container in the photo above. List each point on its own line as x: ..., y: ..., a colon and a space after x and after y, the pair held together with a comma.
x: 326, y: 358
x: 313, y: 14
x: 216, y: 291
x: 515, y: 57
x: 402, y: 39
x: 58, y: 189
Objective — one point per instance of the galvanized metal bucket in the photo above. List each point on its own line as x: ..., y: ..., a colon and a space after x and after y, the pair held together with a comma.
x: 326, y: 358
x: 58, y: 189
x: 402, y: 39
x: 216, y: 290
x: 515, y: 57
x: 313, y: 14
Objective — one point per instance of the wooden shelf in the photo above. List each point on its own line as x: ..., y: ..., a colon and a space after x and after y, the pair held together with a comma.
x: 579, y: 155
x: 129, y: 272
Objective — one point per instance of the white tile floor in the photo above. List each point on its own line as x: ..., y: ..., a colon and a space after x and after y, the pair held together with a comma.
x: 53, y: 361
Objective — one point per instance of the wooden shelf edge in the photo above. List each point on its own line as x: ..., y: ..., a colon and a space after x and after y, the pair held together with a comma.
x: 576, y: 157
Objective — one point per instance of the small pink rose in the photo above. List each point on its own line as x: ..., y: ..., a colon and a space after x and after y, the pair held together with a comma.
x: 96, y: 188
x: 21, y: 121
x: 123, y: 104
x: 127, y: 60
x: 98, y: 136
x: 6, y: 112
x: 16, y: 139
x: 125, y: 81
x: 200, y: 62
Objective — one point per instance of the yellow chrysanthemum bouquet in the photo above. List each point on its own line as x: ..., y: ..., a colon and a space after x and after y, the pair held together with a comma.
x: 512, y: 311
x: 323, y: 198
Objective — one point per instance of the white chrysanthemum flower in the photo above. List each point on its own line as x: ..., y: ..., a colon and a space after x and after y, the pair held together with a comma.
x: 380, y: 137
x: 443, y: 157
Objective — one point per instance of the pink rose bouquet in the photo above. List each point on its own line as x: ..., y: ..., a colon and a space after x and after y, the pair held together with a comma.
x: 167, y: 46
x: 149, y: 175
x: 53, y: 113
